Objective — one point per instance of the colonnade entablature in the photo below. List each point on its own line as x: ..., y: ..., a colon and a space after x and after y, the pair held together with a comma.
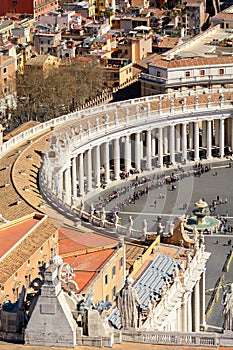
x: 106, y: 143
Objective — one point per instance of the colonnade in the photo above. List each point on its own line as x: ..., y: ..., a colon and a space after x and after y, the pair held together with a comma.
x: 157, y: 146
x: 191, y: 314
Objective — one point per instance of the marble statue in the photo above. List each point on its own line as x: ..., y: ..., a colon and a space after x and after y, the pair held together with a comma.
x: 151, y: 311
x: 116, y: 219
x: 82, y: 207
x: 228, y: 308
x: 128, y: 304
x: 171, y: 228
x: 92, y: 209
x: 130, y: 226
x: 144, y: 228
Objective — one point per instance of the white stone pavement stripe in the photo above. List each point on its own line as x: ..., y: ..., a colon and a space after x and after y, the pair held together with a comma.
x: 156, y: 214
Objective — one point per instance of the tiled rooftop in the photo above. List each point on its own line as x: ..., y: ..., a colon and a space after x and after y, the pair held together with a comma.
x: 132, y: 253
x: 87, y: 266
x: 10, y: 234
x: 75, y: 241
x: 15, y: 259
x: 187, y: 62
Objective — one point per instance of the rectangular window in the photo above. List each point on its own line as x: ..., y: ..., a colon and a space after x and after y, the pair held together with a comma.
x: 121, y: 262
x: 113, y: 271
x: 221, y: 71
x: 113, y: 292
x: 106, y: 279
x: 4, y: 70
x: 158, y: 74
x: 202, y: 72
x: 187, y: 74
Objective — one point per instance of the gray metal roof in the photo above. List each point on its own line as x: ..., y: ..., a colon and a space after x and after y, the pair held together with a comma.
x: 150, y: 283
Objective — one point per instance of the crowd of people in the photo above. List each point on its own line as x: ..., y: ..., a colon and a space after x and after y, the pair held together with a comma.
x: 135, y: 189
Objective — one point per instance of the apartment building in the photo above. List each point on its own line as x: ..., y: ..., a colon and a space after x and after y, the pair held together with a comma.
x: 117, y: 72
x: 224, y: 19
x: 34, y: 7
x: 26, y: 244
x: 44, y: 41
x: 98, y: 262
x: 136, y: 47
x: 195, y: 64
x: 7, y: 82
x: 180, y: 74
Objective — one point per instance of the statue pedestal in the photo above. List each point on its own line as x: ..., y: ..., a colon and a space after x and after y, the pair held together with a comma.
x: 226, y: 338
x: 228, y: 333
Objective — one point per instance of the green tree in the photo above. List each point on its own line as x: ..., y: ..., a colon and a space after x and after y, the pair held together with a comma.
x: 58, y: 91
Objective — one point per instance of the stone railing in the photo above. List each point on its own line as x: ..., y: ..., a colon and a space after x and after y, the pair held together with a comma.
x: 109, y: 226
x: 139, y: 116
x: 172, y: 338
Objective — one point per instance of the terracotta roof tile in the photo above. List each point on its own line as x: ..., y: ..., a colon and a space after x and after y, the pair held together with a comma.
x: 11, y: 234
x: 87, y: 266
x: 72, y: 241
x: 190, y: 62
x: 15, y: 259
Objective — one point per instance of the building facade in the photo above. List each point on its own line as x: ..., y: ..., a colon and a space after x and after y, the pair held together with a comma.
x: 29, y: 242
x: 180, y: 74
x: 35, y: 8
x: 7, y: 83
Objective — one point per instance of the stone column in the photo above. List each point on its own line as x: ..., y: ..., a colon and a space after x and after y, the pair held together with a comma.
x: 189, y: 314
x: 184, y: 314
x: 138, y: 150
x: 142, y: 145
x: 68, y: 185
x: 59, y: 183
x: 221, y: 138
x: 196, y: 141
x: 216, y: 126
x: 179, y: 319
x: 202, y: 300
x: 89, y: 170
x: 190, y: 139
x: 231, y: 134
x: 172, y: 144
x: 106, y: 162
x: 204, y: 132
x: 178, y: 138
x: 96, y: 165
x: 197, y: 307
x: 148, y: 149
x: 184, y: 142
x: 165, y: 140
x: 80, y: 174
x: 127, y: 155
x: 209, y: 140
x: 160, y: 147
x: 153, y: 143
x: 74, y: 177
x: 116, y: 155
